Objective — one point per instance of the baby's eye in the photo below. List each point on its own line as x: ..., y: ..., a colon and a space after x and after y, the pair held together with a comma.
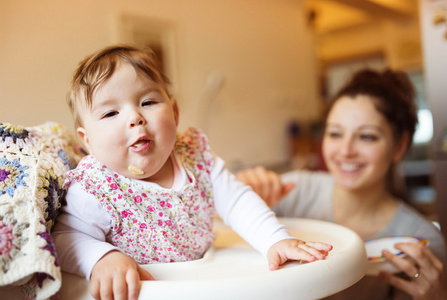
x: 109, y: 114
x: 148, y: 102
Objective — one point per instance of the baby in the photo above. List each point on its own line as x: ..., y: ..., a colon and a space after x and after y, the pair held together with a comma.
x: 147, y: 194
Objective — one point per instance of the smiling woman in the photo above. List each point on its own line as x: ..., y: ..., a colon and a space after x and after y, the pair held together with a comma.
x: 359, y: 149
x: 369, y: 127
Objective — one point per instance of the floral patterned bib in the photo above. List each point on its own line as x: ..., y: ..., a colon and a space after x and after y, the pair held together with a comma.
x: 155, y: 225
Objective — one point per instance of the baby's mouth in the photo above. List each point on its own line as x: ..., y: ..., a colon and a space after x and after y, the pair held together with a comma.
x: 141, y: 145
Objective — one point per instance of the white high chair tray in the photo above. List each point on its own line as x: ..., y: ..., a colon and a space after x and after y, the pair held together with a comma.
x: 234, y: 270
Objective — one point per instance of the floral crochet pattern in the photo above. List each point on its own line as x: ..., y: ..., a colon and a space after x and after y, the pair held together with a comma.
x: 13, y: 134
x: 11, y: 176
x: 11, y: 240
x: 33, y: 163
x: 54, y: 198
x: 6, y: 238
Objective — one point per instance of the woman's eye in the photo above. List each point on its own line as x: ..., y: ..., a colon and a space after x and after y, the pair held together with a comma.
x: 333, y: 134
x: 368, y: 137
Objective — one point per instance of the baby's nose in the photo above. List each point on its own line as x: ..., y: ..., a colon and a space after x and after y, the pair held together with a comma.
x: 137, y: 120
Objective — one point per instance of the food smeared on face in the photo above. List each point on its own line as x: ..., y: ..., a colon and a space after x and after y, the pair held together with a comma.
x: 135, y: 170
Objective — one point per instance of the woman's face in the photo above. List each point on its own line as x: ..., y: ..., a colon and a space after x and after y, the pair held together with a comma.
x: 358, y: 144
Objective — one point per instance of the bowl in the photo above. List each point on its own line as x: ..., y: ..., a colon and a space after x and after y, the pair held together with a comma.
x: 374, y: 247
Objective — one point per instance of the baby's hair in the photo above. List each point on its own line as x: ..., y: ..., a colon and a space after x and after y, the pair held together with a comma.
x: 393, y: 94
x: 97, y: 68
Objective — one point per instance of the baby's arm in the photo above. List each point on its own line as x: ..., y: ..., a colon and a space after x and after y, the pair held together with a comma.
x: 268, y: 186
x: 79, y: 237
x: 250, y: 217
x: 117, y: 276
x: 80, y: 233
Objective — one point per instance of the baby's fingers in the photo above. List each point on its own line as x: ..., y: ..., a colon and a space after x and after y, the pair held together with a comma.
x: 133, y: 284
x: 119, y: 288
x: 144, y: 275
x: 291, y: 249
x: 315, y: 252
x: 94, y: 289
x: 322, y: 247
x: 276, y: 259
x: 102, y: 288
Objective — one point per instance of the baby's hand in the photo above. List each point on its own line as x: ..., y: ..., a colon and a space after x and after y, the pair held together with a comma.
x: 117, y: 276
x: 292, y: 249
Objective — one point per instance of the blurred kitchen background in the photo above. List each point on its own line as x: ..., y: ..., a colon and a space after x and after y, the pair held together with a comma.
x: 255, y: 75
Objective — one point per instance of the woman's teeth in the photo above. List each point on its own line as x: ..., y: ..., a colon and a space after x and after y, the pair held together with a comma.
x: 349, y: 167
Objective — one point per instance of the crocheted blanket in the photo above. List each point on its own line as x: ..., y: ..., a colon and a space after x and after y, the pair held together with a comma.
x: 33, y: 162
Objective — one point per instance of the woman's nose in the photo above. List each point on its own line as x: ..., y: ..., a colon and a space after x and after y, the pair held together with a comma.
x: 347, y: 147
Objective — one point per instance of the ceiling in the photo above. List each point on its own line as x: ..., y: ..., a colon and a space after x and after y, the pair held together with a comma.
x: 336, y: 15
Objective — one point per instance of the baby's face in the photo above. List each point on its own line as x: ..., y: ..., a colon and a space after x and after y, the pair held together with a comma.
x: 132, y: 122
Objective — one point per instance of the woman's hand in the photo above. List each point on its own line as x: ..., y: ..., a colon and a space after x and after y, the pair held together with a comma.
x: 266, y: 184
x: 117, y: 276
x: 424, y: 268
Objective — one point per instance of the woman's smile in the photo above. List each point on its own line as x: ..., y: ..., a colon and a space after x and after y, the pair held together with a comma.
x: 350, y: 167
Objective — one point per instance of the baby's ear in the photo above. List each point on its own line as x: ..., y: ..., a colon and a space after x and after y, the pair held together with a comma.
x: 176, y: 111
x: 84, y: 138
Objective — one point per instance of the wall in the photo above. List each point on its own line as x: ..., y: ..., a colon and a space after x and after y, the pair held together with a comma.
x: 260, y: 48
x: 435, y: 66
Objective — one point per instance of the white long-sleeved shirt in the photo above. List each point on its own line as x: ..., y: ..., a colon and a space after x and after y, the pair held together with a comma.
x: 81, y: 230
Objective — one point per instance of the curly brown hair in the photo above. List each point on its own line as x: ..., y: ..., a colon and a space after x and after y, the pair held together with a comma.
x: 393, y: 95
